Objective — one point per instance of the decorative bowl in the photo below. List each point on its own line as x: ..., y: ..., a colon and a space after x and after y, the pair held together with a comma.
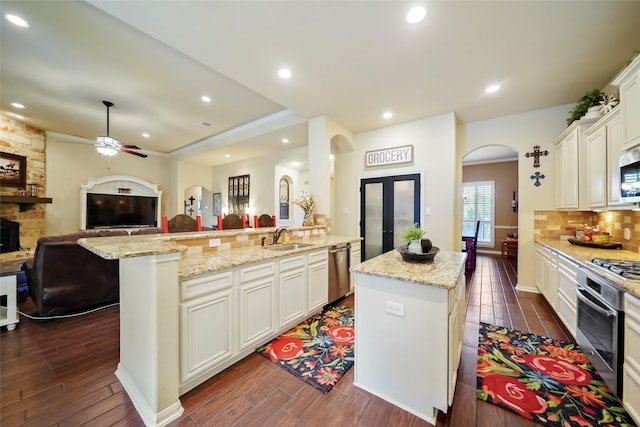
x: 413, y: 257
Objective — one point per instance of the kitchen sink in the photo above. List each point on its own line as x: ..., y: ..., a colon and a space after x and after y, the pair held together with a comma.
x: 287, y: 246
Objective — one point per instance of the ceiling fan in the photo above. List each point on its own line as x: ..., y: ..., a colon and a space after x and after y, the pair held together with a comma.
x: 109, y: 146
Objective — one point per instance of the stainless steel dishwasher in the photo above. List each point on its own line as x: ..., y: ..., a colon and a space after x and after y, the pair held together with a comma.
x: 339, y: 278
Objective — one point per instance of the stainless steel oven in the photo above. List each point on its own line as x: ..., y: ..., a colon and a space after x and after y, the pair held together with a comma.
x: 600, y: 325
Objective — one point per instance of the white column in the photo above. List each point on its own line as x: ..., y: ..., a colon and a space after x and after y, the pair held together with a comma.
x: 149, y: 336
x: 319, y: 165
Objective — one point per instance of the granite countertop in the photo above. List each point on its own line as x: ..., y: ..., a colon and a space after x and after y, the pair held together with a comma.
x: 193, y: 265
x: 443, y: 272
x: 582, y: 254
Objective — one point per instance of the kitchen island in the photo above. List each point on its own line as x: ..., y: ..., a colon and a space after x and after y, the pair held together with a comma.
x: 409, y: 325
x: 186, y: 316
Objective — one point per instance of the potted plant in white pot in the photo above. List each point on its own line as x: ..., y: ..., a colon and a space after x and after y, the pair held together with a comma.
x: 414, y: 235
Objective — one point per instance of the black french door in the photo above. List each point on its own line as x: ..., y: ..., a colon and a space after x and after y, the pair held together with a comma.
x: 388, y: 205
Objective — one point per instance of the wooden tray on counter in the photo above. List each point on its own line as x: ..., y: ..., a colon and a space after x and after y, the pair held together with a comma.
x: 610, y: 245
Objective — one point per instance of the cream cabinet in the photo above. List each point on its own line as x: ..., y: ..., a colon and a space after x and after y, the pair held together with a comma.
x: 631, y: 364
x: 567, y: 303
x: 547, y: 274
x: 570, y: 166
x: 207, y: 325
x: 605, y: 139
x: 292, y: 291
x: 256, y: 297
x: 318, y: 280
x: 355, y: 255
x: 628, y: 81
x: 457, y: 310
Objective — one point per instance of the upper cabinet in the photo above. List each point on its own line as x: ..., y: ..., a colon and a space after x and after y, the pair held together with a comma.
x: 570, y: 162
x: 628, y: 82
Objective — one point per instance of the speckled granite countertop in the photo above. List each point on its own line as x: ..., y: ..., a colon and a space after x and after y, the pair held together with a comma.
x: 443, y: 272
x: 582, y: 254
x: 193, y: 265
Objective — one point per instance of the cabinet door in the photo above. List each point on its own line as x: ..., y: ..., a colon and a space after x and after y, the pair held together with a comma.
x: 207, y: 329
x: 571, y: 177
x: 354, y: 259
x: 630, y: 104
x: 559, y: 176
x: 456, y: 332
x: 596, y: 179
x: 256, y: 311
x: 318, y: 281
x: 615, y: 141
x: 631, y: 366
x: 291, y: 296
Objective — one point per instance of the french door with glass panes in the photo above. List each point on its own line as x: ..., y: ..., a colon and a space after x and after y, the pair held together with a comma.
x: 389, y: 205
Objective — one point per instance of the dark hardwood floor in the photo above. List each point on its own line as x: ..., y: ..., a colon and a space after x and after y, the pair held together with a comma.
x: 61, y: 373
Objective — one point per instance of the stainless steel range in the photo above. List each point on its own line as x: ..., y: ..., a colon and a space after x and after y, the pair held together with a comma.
x: 600, y: 326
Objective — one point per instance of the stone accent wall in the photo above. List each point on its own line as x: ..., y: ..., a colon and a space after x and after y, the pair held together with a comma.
x: 551, y: 225
x: 21, y: 139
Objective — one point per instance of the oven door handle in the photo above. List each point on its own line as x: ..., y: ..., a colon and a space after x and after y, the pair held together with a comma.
x: 596, y: 307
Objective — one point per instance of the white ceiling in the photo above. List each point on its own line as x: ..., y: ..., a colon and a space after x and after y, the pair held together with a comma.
x: 351, y: 61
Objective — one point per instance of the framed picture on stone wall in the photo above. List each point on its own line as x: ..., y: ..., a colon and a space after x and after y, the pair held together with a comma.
x: 13, y: 170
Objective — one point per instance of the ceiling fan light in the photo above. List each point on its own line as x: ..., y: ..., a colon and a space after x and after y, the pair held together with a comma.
x: 107, y: 151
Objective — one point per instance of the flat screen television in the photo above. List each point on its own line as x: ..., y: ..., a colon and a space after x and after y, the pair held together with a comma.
x: 121, y: 211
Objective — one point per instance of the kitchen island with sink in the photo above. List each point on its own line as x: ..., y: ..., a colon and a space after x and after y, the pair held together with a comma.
x: 409, y: 325
x: 187, y: 315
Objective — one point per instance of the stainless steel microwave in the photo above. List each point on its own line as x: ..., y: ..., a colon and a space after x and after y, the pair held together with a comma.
x: 630, y: 176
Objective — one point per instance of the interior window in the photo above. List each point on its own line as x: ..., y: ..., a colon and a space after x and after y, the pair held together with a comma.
x: 478, y: 204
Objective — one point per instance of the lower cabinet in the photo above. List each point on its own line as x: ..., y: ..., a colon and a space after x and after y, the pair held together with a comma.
x: 206, y: 301
x: 547, y: 274
x: 457, y: 310
x: 631, y: 364
x: 318, y: 280
x: 355, y: 255
x: 567, y: 303
x: 256, y: 297
x: 291, y: 289
x: 226, y: 315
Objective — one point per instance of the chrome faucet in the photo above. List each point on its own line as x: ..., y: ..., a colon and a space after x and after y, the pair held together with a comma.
x: 277, y: 233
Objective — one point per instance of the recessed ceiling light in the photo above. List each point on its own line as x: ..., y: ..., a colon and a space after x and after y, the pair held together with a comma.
x: 16, y: 20
x: 17, y: 105
x: 18, y: 116
x: 284, y: 73
x: 285, y: 140
x: 145, y: 135
x: 227, y: 156
x: 492, y: 89
x: 387, y: 115
x: 331, y: 157
x: 416, y: 14
x: 205, y: 98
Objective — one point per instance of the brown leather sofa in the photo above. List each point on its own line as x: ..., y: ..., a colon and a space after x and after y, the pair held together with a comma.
x: 64, y: 277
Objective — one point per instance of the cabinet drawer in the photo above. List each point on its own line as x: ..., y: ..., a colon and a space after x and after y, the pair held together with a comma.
x: 631, y: 340
x: 256, y: 272
x: 632, y: 307
x: 206, y: 284
x: 319, y: 256
x: 292, y: 262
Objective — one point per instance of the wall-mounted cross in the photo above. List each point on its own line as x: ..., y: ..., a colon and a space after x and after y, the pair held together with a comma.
x: 191, y: 199
x: 190, y: 210
x: 537, y: 176
x: 536, y: 154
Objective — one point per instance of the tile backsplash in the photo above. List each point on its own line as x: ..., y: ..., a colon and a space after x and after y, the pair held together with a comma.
x: 552, y: 225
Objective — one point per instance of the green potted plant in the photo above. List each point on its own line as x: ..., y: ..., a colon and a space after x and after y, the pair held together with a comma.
x: 591, y: 99
x: 414, y: 235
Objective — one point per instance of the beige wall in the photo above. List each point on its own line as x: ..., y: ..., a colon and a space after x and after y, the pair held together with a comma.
x: 505, y: 175
x: 69, y: 165
x: 20, y: 139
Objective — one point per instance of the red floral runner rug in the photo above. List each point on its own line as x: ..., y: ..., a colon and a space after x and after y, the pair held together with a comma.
x: 319, y: 350
x: 543, y: 379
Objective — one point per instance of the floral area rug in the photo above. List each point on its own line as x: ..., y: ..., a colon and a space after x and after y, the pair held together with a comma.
x: 319, y: 350
x: 546, y: 380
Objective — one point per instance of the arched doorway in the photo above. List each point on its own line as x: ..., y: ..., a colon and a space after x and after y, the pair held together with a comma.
x: 490, y: 196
